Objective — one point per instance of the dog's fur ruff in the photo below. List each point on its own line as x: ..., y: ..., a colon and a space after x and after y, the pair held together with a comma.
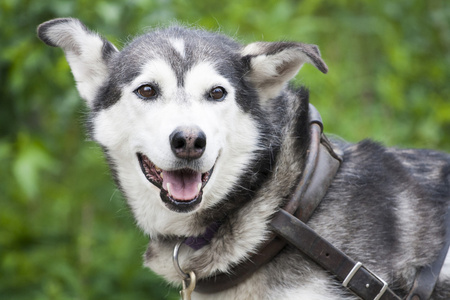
x: 385, y: 207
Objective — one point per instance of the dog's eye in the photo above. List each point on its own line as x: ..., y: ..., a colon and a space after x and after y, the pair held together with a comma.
x: 217, y: 94
x: 147, y: 92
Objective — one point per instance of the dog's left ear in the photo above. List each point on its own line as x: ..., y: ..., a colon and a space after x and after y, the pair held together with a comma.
x: 87, y: 53
x: 272, y: 65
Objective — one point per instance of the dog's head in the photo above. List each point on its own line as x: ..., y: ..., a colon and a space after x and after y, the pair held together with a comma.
x: 178, y: 112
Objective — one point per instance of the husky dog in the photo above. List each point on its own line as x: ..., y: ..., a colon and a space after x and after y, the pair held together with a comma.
x: 199, y: 129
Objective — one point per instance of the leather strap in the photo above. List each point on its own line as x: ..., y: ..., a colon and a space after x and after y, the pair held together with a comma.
x: 352, y: 274
x: 427, y: 276
x: 308, y: 194
x: 325, y: 168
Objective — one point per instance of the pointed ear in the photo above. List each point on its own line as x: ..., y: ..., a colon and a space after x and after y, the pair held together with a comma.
x: 272, y: 65
x: 87, y: 53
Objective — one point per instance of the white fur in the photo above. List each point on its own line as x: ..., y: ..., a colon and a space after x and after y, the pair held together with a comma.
x: 134, y: 125
x: 178, y: 45
x: 405, y: 203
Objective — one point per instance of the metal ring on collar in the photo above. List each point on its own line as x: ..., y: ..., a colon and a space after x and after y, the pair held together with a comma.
x: 176, y: 264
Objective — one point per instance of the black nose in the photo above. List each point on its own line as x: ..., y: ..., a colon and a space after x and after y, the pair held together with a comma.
x: 188, y: 142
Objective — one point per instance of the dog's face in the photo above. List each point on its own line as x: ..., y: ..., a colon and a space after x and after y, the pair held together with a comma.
x: 177, y: 147
x: 178, y: 112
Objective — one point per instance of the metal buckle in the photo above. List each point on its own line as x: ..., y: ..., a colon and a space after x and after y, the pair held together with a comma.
x: 355, y: 269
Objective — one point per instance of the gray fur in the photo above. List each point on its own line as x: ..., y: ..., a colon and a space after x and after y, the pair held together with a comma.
x: 385, y: 207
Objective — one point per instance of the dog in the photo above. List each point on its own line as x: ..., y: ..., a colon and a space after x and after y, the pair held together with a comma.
x: 199, y: 129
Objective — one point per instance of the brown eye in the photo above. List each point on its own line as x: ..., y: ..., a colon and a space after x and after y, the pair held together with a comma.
x: 217, y: 94
x: 146, y: 92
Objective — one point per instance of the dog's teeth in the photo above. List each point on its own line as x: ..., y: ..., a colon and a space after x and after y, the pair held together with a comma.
x: 199, y: 186
x: 162, y: 176
x: 168, y: 189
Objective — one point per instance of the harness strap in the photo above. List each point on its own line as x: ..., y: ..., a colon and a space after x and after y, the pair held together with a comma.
x: 326, y: 164
x: 353, y: 275
x: 427, y: 276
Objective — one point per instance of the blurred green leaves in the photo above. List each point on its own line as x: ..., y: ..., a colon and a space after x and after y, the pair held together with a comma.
x: 65, y: 230
x: 31, y: 160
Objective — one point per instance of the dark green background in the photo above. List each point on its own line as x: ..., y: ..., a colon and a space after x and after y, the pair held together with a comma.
x: 65, y: 231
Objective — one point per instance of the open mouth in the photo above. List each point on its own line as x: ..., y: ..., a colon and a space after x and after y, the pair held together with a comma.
x: 181, y: 190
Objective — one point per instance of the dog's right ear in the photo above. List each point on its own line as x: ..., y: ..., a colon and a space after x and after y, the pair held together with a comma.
x: 86, y: 52
x: 273, y: 64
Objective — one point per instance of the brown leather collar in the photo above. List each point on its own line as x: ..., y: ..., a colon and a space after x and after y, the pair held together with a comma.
x: 322, y: 163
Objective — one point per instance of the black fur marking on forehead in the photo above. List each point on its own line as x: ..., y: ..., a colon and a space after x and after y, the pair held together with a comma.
x: 199, y: 46
x: 222, y: 52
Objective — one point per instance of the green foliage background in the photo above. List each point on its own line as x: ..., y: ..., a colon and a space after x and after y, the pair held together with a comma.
x: 65, y: 231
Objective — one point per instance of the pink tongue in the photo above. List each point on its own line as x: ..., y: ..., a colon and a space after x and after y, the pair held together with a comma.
x: 183, y: 183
